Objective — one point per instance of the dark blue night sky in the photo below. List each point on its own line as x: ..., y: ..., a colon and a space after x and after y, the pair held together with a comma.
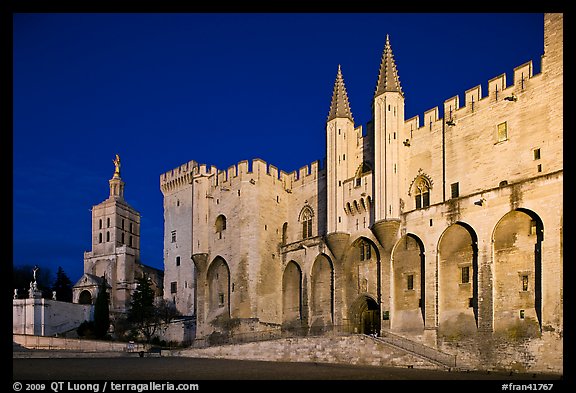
x: 163, y: 89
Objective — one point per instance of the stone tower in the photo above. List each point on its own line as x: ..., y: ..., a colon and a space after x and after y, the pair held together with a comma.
x: 340, y: 143
x: 115, y: 251
x: 388, y: 112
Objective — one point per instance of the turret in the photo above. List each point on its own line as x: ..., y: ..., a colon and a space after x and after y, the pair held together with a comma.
x: 340, y: 145
x: 388, y: 107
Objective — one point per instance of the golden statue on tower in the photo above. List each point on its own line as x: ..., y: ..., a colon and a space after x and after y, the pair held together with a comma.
x: 116, y: 162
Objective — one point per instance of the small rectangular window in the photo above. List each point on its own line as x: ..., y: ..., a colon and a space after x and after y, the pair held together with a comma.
x: 173, y: 236
x: 465, y: 274
x: 524, y: 283
x: 454, y: 187
x: 470, y: 302
x: 502, y: 132
x: 173, y: 287
x: 221, y: 299
x: 177, y: 261
x: 537, y: 154
x: 410, y: 282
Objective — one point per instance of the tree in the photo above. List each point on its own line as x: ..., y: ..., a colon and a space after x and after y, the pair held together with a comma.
x: 166, y: 310
x: 142, y: 313
x: 63, y: 286
x: 101, y: 311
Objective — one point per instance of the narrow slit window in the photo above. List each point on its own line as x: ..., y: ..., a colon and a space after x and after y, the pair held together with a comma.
x: 465, y: 275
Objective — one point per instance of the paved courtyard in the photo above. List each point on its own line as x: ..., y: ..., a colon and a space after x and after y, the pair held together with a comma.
x: 194, y: 369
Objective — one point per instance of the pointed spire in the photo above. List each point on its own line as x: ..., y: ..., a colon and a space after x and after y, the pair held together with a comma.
x: 339, y: 107
x: 388, y: 76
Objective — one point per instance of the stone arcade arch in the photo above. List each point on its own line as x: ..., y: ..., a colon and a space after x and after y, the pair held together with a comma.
x: 408, y: 284
x: 85, y: 297
x: 322, y: 294
x: 458, y: 281
x: 218, y: 299
x: 517, y: 288
x: 365, y: 315
x: 361, y: 280
x: 292, y: 296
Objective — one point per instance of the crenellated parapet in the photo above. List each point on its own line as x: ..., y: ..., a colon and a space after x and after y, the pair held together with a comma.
x: 177, y: 177
x: 474, y: 101
x: 253, y: 171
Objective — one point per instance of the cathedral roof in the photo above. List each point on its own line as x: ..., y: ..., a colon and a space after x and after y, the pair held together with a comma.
x: 339, y: 107
x: 388, y: 76
x: 89, y: 280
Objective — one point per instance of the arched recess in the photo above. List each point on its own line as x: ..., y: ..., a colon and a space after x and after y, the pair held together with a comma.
x: 517, y: 242
x: 220, y: 225
x: 364, y: 315
x: 322, y: 299
x: 360, y: 279
x: 458, y: 281
x: 218, y: 277
x: 362, y: 269
x: 85, y: 297
x: 408, y: 304
x: 292, y: 295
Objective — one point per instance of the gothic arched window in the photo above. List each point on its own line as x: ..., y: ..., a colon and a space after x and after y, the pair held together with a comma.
x: 422, y: 192
x: 306, y: 220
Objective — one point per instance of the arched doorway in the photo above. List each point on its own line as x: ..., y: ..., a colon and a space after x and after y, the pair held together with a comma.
x: 365, y: 316
x: 85, y: 297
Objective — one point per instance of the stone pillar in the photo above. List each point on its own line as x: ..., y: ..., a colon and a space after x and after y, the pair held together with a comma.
x: 485, y: 290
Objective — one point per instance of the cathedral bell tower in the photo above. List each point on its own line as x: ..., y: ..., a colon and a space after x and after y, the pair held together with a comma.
x: 115, y: 250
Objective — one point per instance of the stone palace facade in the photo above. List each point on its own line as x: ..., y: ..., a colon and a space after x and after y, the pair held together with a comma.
x: 447, y: 231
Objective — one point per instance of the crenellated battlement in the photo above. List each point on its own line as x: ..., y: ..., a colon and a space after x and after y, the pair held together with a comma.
x: 305, y: 175
x: 257, y: 169
x: 473, y: 99
x: 177, y: 177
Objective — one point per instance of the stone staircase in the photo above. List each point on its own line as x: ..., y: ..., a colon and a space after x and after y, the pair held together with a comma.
x: 355, y: 349
x: 428, y: 353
